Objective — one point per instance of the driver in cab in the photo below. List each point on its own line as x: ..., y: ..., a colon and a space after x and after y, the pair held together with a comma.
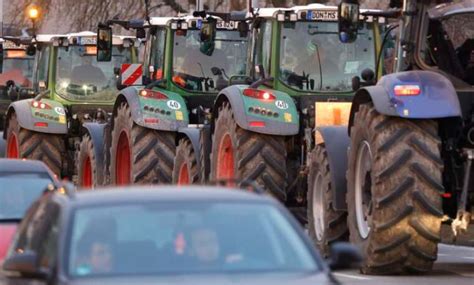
x: 87, y: 73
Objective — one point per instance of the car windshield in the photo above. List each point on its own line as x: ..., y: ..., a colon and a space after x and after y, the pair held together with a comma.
x: 207, y: 67
x: 313, y: 59
x: 17, y: 66
x: 185, y: 238
x: 450, y: 48
x: 80, y: 77
x: 18, y: 192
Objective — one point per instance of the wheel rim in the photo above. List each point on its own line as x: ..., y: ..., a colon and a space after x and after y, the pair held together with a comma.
x: 363, y: 186
x: 123, y: 166
x: 225, y: 159
x: 87, y: 173
x: 183, y: 178
x: 318, y: 207
x: 12, y: 147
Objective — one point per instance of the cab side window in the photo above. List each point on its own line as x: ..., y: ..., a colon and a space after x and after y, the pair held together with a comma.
x: 47, y: 250
x: 157, y: 53
x: 390, y: 51
x: 264, y: 45
x: 42, y: 62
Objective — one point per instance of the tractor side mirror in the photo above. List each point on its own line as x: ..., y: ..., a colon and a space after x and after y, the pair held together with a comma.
x: 348, y: 15
x: 141, y: 34
x: 1, y: 58
x: 208, y: 31
x: 31, y: 50
x: 243, y: 28
x: 104, y: 44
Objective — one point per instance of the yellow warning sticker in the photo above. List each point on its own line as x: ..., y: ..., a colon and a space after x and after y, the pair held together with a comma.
x: 62, y: 119
x: 179, y: 115
x: 288, y: 117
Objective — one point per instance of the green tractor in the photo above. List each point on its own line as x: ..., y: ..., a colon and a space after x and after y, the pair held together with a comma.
x: 188, y: 59
x: 71, y: 88
x: 16, y: 73
x: 275, y: 130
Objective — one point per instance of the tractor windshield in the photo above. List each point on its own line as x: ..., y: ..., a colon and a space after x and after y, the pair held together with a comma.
x: 207, y: 67
x: 18, y: 67
x: 312, y: 58
x: 79, y: 77
x: 450, y: 48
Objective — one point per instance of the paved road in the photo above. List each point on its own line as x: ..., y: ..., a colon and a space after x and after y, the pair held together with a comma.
x: 455, y: 266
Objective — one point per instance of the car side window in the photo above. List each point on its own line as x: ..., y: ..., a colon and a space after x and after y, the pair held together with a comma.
x: 48, y: 247
x: 22, y: 236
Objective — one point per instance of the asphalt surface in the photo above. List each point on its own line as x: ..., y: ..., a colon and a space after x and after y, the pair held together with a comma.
x: 455, y: 266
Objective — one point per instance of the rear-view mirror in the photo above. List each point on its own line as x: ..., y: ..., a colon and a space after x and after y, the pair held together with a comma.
x: 25, y: 263
x: 208, y: 32
x: 243, y: 28
x: 31, y: 50
x: 348, y: 15
x: 104, y: 44
x: 141, y: 34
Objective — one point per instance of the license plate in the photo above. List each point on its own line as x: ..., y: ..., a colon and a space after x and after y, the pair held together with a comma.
x: 226, y: 25
x: 322, y: 15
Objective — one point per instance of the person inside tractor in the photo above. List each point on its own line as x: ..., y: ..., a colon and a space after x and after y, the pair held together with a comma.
x: 80, y: 77
x: 312, y: 59
x: 198, y: 65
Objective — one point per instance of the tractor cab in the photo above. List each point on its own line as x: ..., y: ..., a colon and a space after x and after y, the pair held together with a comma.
x: 78, y: 78
x: 300, y: 49
x: 16, y: 72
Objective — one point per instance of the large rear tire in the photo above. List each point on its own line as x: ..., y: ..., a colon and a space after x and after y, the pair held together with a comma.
x: 185, y: 169
x: 394, y: 187
x: 23, y: 143
x: 241, y: 155
x: 325, y: 225
x: 139, y: 155
x: 86, y: 164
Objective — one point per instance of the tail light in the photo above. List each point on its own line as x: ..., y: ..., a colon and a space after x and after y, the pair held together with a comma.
x: 41, y: 124
x: 40, y: 105
x: 152, y: 94
x: 259, y: 94
x: 407, y: 90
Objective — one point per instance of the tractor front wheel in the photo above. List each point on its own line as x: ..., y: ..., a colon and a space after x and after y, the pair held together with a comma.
x: 325, y: 225
x: 185, y: 169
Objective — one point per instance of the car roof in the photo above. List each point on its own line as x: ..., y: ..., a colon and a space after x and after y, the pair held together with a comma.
x: 23, y: 166
x: 136, y: 194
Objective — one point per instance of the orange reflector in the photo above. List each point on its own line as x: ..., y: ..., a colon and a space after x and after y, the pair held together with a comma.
x: 41, y: 124
x: 151, y: 120
x: 407, y: 90
x: 258, y: 124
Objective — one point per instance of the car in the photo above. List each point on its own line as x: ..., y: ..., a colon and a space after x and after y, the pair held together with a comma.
x: 163, y: 235
x: 22, y: 181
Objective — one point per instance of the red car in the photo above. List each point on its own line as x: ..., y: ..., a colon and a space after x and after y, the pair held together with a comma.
x: 21, y: 183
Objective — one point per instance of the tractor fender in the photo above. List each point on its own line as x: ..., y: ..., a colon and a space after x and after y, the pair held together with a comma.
x: 286, y: 124
x: 336, y: 143
x: 144, y: 109
x: 28, y: 116
x: 192, y: 134
x: 96, y: 131
x: 438, y: 97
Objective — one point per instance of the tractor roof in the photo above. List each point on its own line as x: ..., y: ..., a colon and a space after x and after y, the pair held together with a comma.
x: 449, y: 9
x: 88, y: 37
